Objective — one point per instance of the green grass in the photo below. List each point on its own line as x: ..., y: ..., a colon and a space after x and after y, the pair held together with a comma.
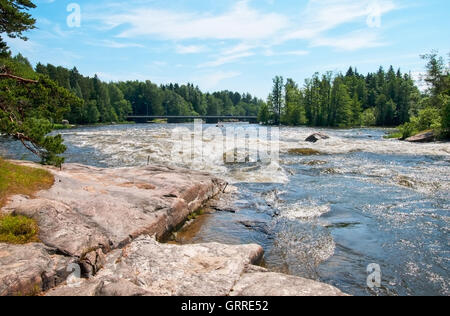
x: 18, y: 229
x: 395, y: 135
x: 62, y: 126
x: 196, y: 214
x: 15, y: 179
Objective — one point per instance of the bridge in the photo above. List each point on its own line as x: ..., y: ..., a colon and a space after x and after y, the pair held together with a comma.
x: 176, y: 119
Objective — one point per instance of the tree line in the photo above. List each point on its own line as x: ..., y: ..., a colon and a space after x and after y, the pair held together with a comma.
x: 384, y: 98
x: 114, y: 101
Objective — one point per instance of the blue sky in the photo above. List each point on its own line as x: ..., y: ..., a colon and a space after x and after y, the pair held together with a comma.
x: 238, y: 45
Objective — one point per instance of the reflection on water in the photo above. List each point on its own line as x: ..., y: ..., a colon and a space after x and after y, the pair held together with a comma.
x: 363, y: 200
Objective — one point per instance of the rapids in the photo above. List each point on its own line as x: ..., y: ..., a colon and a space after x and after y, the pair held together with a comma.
x: 360, y: 200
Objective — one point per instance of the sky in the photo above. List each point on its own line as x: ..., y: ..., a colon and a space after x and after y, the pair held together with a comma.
x: 237, y: 45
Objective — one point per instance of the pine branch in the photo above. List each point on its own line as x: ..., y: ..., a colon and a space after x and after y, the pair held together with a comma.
x: 6, y: 75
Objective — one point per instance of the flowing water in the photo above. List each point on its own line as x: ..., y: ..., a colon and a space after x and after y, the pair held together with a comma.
x: 361, y: 200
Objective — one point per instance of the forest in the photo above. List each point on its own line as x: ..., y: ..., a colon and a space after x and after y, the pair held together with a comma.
x: 114, y: 101
x: 385, y: 98
x: 378, y: 99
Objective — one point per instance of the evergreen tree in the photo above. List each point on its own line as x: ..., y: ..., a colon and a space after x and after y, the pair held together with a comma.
x: 93, y: 115
x: 356, y: 111
x: 29, y: 105
x: 342, y: 105
x: 14, y: 21
x: 277, y: 99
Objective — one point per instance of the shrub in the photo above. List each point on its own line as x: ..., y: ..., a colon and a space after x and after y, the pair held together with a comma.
x: 369, y: 117
x: 18, y: 229
x: 429, y: 118
x: 407, y: 130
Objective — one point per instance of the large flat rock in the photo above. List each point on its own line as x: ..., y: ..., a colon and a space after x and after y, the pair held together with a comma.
x: 92, y: 208
x: 265, y: 283
x: 148, y: 268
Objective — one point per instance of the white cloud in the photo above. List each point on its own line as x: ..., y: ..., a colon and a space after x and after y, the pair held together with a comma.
x: 231, y: 55
x: 418, y: 77
x: 256, y: 31
x: 190, y: 49
x: 226, y: 59
x: 271, y: 52
x: 239, y: 23
x: 116, y: 44
x: 211, y: 80
x: 324, y: 15
x: 350, y: 42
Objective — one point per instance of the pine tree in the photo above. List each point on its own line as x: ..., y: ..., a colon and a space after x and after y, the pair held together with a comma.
x: 356, y: 111
x: 342, y: 104
x: 277, y: 99
x: 14, y: 21
x: 264, y: 114
x: 29, y: 105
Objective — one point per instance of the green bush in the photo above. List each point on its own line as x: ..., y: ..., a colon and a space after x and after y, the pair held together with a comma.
x: 407, y: 130
x: 369, y: 117
x: 18, y: 229
x: 428, y: 119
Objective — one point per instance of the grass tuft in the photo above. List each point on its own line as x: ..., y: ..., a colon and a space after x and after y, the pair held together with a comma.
x: 396, y: 135
x: 15, y: 179
x: 18, y: 229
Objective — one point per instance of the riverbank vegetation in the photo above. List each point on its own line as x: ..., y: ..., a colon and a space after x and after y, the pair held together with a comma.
x: 15, y: 179
x: 29, y: 103
x: 18, y: 229
x: 353, y: 100
x: 113, y: 102
x: 435, y: 113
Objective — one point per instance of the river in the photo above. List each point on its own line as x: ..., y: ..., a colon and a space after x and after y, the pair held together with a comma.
x: 362, y: 200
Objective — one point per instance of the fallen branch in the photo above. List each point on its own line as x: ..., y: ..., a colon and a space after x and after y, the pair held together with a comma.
x: 6, y: 75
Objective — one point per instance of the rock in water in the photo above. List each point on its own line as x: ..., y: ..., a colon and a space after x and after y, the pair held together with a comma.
x: 314, y: 138
x: 426, y: 137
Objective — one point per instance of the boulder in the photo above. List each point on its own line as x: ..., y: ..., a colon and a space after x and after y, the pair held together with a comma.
x: 304, y: 152
x: 263, y: 283
x: 30, y: 269
x: 146, y: 267
x: 426, y: 137
x: 314, y: 138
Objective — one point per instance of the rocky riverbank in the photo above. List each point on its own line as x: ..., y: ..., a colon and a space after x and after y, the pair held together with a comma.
x: 103, y: 225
